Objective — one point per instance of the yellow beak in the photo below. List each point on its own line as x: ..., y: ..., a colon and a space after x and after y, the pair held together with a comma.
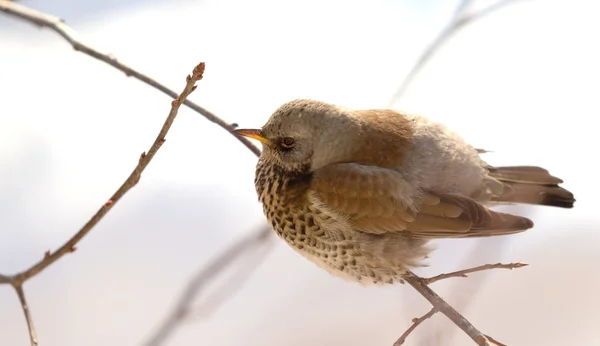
x: 252, y: 133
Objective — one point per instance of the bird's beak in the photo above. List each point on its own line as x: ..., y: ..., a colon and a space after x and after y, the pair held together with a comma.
x: 252, y: 133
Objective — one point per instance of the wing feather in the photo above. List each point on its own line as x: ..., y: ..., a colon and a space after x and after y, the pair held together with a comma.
x: 378, y: 200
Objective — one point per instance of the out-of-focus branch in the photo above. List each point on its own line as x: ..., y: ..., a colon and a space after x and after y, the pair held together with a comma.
x: 57, y: 25
x: 241, y: 273
x: 17, y: 280
x: 183, y: 308
x: 460, y: 18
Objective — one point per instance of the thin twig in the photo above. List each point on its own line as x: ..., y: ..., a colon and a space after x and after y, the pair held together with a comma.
x: 131, y: 181
x: 418, y: 284
x: 32, y: 336
x: 50, y: 257
x: 416, y: 322
x: 199, y: 282
x: 57, y: 25
x: 465, y: 298
x: 460, y: 19
x: 463, y: 273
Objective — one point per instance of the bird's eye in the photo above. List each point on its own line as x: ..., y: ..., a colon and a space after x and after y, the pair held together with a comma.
x: 288, y: 143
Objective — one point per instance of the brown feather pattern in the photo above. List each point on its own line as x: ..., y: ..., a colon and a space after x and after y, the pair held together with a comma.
x: 373, y: 200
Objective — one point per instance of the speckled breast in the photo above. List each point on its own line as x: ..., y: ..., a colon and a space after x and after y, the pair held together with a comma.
x: 286, y: 206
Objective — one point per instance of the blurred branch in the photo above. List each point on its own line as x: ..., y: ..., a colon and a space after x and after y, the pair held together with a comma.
x: 195, y: 286
x: 241, y: 274
x: 460, y: 18
x: 57, y: 25
x: 416, y: 322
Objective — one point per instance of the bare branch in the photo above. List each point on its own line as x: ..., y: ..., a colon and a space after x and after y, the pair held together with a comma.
x: 465, y: 298
x: 416, y: 322
x: 460, y: 19
x: 198, y: 282
x: 439, y: 304
x: 131, y: 181
x: 57, y: 25
x: 50, y: 257
x: 32, y: 336
x: 463, y: 273
x: 421, y: 285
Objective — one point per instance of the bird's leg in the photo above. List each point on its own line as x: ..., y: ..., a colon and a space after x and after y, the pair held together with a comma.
x: 463, y: 273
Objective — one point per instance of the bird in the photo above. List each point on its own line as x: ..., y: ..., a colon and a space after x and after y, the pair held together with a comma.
x: 363, y: 192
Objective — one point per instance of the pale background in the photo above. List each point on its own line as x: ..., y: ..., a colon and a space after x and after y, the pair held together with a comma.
x: 522, y: 82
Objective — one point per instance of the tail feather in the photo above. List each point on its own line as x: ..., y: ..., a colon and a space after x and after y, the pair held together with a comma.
x: 530, y: 185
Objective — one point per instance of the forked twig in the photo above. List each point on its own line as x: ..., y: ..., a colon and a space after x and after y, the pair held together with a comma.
x: 422, y: 286
x: 17, y: 280
x: 131, y: 181
x: 57, y: 25
x: 440, y: 304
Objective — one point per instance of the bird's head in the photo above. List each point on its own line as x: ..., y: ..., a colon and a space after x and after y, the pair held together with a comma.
x: 303, y: 135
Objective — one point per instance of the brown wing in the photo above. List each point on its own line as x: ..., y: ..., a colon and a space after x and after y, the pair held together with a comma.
x: 378, y: 200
